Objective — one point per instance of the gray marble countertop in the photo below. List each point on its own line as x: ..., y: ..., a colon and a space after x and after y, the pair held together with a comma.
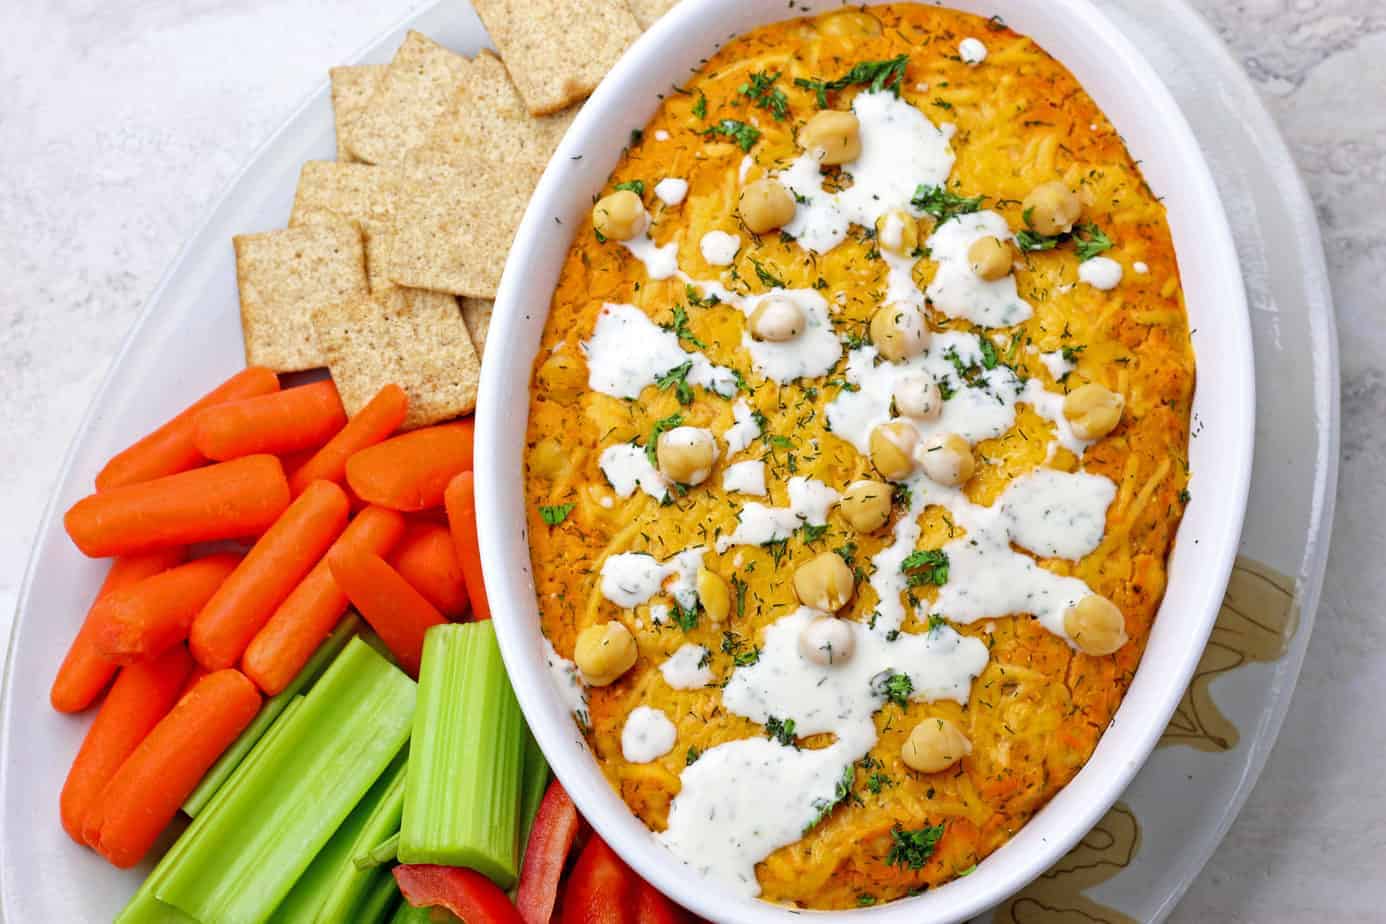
x: 121, y: 123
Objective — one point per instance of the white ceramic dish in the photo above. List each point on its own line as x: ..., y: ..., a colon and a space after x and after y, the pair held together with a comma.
x: 1116, y: 75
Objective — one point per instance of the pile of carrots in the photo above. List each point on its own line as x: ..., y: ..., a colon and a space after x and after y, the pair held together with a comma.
x: 240, y: 532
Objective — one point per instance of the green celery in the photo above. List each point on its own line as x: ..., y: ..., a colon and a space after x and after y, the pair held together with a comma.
x: 221, y: 770
x: 532, y: 787
x: 408, y: 914
x: 387, y: 851
x: 379, y: 903
x: 462, y: 799
x: 352, y: 724
x: 351, y: 884
x: 144, y: 907
x: 310, y: 893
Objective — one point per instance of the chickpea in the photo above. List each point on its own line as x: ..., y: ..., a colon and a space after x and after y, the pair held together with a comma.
x: 850, y: 24
x: 604, y: 652
x: 918, y: 396
x: 934, y: 745
x: 766, y: 205
x: 833, y: 136
x: 899, y: 332
x: 946, y: 458
x: 827, y: 641
x: 990, y: 258
x: 897, y: 232
x: 1096, y: 625
x: 1093, y: 411
x: 824, y: 582
x: 866, y: 505
x: 562, y: 375
x: 777, y: 319
x: 714, y: 595
x: 1051, y: 208
x: 620, y: 216
x: 686, y: 454
x: 892, y: 449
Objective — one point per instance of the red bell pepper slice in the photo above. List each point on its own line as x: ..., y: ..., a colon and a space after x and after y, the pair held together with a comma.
x: 465, y: 892
x: 651, y: 907
x: 601, y: 888
x: 550, y: 842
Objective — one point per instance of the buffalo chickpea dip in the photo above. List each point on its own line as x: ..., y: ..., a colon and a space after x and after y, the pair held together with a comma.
x: 857, y: 446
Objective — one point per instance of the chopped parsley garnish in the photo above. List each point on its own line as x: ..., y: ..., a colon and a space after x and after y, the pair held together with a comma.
x: 902, y: 496
x: 1185, y: 496
x: 926, y: 566
x: 677, y: 378
x: 687, y: 619
x: 895, y: 687
x: 840, y: 791
x: 913, y: 848
x: 744, y: 135
x: 865, y: 900
x: 811, y: 534
x: 762, y: 92
x: 878, y: 75
x: 1070, y: 353
x: 936, y: 622
x: 635, y: 186
x: 660, y: 426
x: 943, y: 204
x: 766, y: 277
x: 680, y: 327
x: 777, y: 548
x: 988, y: 353
x: 706, y: 301
x: 553, y: 514
x: 700, y: 107
x: 741, y: 655
x: 1089, y: 241
x: 781, y: 731
x: 694, y: 752
x: 1028, y: 239
x: 878, y: 781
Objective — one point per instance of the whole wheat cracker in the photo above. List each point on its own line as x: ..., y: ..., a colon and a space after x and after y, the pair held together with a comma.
x: 352, y: 89
x: 488, y: 114
x: 416, y: 90
x: 360, y: 193
x: 476, y: 312
x: 647, y: 11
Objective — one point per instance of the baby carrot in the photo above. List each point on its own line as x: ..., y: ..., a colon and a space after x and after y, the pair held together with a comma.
x: 145, y: 793
x: 411, y: 471
x: 226, y: 501
x: 267, y: 575
x: 285, y: 421
x: 373, y: 423
x: 427, y: 559
x: 397, y: 612
x: 169, y: 449
x: 85, y: 671
x: 309, y: 614
x: 461, y: 507
x: 139, y: 698
x: 148, y: 618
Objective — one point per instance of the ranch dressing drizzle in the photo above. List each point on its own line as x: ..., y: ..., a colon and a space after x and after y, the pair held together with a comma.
x: 744, y: 429
x: 648, y: 735
x: 719, y: 248
x: 1057, y: 514
x: 757, y: 524
x: 671, y: 190
x: 687, y: 668
x: 1100, y: 272
x: 1057, y: 364
x: 660, y: 262
x: 627, y: 351
x: 627, y: 467
x: 959, y: 292
x: 568, y: 681
x: 745, y: 477
x: 632, y: 578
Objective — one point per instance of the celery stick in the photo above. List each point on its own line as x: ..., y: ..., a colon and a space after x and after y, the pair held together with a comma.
x: 352, y: 723
x: 144, y: 907
x: 351, y: 884
x: 461, y: 803
x: 379, y: 902
x: 532, y: 787
x: 309, y: 894
x: 387, y: 851
x: 408, y: 914
x: 270, y: 711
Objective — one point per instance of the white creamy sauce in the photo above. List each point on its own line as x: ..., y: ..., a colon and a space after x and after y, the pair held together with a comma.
x: 660, y: 262
x: 900, y: 149
x: 1057, y: 365
x: 627, y: 351
x: 648, y: 735
x: 744, y: 429
x: 568, y: 681
x: 687, y: 668
x: 719, y: 248
x: 745, y: 477
x: 632, y: 578
x: 959, y: 292
x: 809, y: 355
x: 1140, y: 267
x: 757, y: 524
x: 661, y: 135
x: 972, y: 51
x: 747, y: 163
x: 659, y: 613
x: 671, y: 190
x: 1057, y: 514
x: 1100, y: 272
x: 627, y: 467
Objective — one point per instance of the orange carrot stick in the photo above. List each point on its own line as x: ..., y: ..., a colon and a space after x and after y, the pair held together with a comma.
x: 286, y: 421
x: 85, y: 671
x: 427, y: 559
x: 397, y: 612
x: 139, y: 698
x: 373, y: 423
x: 411, y: 471
x: 145, y: 793
x: 226, y: 501
x: 148, y: 618
x: 169, y: 449
x: 461, y: 507
x: 267, y: 575
x: 309, y: 614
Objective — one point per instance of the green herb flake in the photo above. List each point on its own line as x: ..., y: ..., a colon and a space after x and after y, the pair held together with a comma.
x: 894, y: 686
x: 841, y: 790
x: 660, y: 426
x: 877, y: 75
x: 743, y: 134
x: 1089, y: 241
x: 926, y: 566
x: 553, y: 514
x: 780, y: 730
x: 635, y: 186
x: 762, y: 92
x: 913, y: 848
x: 677, y: 378
x: 942, y: 203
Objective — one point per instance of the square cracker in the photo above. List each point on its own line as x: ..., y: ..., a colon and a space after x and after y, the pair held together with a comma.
x: 476, y: 312
x: 455, y: 219
x: 490, y: 115
x: 557, y: 51
x: 282, y: 276
x: 418, y: 343
x: 352, y: 89
x: 360, y: 193
x: 416, y: 90
x: 647, y: 11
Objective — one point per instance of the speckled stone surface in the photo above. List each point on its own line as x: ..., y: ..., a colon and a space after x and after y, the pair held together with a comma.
x: 121, y: 122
